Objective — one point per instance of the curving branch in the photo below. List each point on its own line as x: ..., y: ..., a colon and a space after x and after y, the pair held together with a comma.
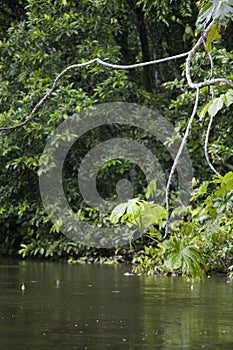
x: 188, y: 54
x: 211, y: 119
x: 191, y: 54
x: 79, y: 65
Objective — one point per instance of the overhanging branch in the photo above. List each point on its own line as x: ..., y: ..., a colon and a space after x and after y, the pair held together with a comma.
x: 80, y: 65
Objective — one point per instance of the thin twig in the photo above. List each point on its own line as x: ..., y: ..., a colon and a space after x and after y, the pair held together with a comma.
x: 211, y: 119
x: 206, y: 147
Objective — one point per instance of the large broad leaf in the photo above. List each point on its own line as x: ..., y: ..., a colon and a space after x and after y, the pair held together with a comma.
x: 222, y: 10
x: 204, y: 16
x: 140, y: 213
x: 215, y: 106
x: 134, y: 209
x: 182, y: 255
x: 219, y: 10
x: 152, y: 214
x: 174, y: 262
x: 127, y: 212
x: 118, y: 212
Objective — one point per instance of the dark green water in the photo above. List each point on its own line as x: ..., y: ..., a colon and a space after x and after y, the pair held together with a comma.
x: 97, y: 307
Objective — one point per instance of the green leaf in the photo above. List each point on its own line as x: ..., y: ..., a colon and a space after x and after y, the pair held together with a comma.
x: 118, y: 212
x: 133, y: 209
x: 174, y: 262
x: 151, y: 189
x: 200, y: 191
x: 182, y: 255
x: 204, y: 110
x: 152, y: 214
x: 215, y: 106
x: 222, y: 10
x: 226, y: 184
x: 228, y: 98
x: 219, y: 10
x: 213, y: 34
x: 204, y: 16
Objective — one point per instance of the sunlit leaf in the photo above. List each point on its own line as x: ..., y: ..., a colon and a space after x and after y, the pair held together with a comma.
x: 219, y: 10
x: 215, y: 106
x: 228, y: 98
x: 213, y: 34
x: 117, y: 212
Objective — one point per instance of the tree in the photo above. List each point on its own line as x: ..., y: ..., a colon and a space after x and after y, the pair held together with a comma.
x: 53, y: 36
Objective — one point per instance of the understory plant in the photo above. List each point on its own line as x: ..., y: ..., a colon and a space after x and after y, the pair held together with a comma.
x: 199, y: 243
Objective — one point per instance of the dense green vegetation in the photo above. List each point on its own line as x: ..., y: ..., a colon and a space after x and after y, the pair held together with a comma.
x: 38, y: 39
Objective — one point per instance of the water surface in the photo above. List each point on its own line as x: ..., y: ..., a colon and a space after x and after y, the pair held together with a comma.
x: 97, y: 307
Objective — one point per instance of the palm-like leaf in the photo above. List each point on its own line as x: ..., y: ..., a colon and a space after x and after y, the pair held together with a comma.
x: 182, y: 255
x: 221, y: 11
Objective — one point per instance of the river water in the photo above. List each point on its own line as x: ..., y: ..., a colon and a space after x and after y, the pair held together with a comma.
x: 97, y: 307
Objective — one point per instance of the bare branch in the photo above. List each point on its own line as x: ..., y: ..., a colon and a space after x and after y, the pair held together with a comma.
x: 177, y: 157
x: 191, y: 54
x: 211, y: 119
x: 137, y: 65
x: 79, y: 65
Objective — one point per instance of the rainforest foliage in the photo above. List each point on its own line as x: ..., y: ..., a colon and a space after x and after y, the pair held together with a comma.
x: 38, y: 39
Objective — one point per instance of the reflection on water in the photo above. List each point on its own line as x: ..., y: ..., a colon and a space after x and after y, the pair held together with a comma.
x: 97, y: 307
